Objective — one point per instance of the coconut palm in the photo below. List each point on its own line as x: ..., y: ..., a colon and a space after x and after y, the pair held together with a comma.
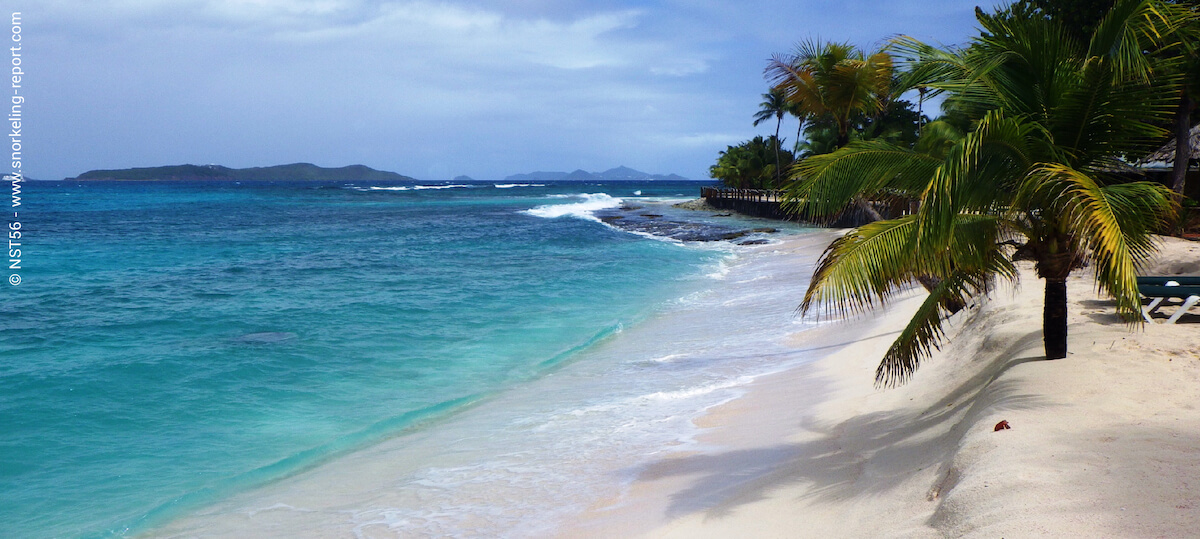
x: 834, y: 80
x: 1037, y: 177
x: 774, y: 105
x: 1190, y: 50
x: 801, y: 118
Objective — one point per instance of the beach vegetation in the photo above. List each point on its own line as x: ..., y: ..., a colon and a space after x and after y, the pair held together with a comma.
x: 899, y: 123
x: 774, y: 105
x: 845, y: 94
x: 833, y: 82
x: 1029, y: 167
x: 752, y: 164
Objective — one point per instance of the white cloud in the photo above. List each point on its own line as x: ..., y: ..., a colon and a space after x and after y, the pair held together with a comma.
x: 680, y: 67
x: 275, y: 10
x: 698, y: 140
x: 403, y: 84
x: 465, y: 35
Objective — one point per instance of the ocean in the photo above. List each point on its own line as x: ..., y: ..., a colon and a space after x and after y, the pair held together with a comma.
x: 316, y: 359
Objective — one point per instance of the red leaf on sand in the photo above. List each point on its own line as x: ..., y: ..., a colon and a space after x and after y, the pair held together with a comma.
x: 1002, y: 425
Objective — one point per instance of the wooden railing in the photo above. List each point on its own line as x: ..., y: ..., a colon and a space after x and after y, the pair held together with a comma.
x: 746, y: 195
x: 756, y: 202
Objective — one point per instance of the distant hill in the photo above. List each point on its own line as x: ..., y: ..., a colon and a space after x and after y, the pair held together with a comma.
x: 293, y: 172
x: 610, y: 175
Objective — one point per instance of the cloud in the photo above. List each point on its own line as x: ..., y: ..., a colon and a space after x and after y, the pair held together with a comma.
x: 701, y: 140
x: 488, y: 86
x: 278, y: 10
x: 465, y: 35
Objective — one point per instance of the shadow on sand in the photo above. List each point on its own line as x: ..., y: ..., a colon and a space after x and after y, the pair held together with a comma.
x: 868, y: 454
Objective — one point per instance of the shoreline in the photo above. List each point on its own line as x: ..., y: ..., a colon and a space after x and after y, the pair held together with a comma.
x: 532, y: 457
x: 1103, y: 442
x: 798, y: 442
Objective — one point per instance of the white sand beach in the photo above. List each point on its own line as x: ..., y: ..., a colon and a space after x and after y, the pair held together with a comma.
x: 1103, y: 443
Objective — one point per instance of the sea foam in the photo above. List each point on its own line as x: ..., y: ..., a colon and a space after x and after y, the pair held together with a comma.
x: 413, y: 187
x: 584, y: 209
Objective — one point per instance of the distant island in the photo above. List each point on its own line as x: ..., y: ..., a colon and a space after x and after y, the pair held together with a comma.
x: 610, y: 175
x: 361, y: 173
x: 293, y: 172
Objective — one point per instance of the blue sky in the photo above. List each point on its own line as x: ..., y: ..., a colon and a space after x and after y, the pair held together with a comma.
x: 425, y: 88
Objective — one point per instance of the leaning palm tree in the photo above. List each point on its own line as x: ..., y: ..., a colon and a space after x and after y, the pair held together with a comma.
x: 774, y: 105
x: 1038, y: 177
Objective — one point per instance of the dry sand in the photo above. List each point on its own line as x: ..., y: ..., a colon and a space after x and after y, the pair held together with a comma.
x: 1104, y: 443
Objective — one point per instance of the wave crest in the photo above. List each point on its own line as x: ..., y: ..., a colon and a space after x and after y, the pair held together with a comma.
x: 584, y: 209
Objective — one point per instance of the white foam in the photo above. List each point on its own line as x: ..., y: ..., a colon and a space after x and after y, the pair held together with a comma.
x: 412, y: 187
x: 585, y: 209
x: 667, y: 358
x: 697, y: 391
x: 511, y: 185
x: 458, y: 186
x: 724, y: 266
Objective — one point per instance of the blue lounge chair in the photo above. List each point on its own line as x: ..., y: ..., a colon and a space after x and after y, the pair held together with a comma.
x: 1162, y: 280
x: 1171, y: 289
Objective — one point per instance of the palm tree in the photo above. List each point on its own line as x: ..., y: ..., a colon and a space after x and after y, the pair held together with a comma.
x: 801, y: 118
x: 749, y: 165
x: 833, y: 80
x: 1037, y: 176
x: 1182, y: 127
x: 774, y: 105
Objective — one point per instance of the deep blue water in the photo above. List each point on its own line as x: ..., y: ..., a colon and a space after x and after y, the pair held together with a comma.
x: 172, y: 343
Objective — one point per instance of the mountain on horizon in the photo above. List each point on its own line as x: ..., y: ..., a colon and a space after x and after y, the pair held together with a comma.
x: 292, y: 172
x: 621, y: 173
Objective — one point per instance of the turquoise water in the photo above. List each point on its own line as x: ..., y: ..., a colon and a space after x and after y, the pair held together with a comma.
x: 172, y: 344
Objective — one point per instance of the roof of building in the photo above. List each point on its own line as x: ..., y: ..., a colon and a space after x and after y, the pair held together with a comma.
x: 1164, y: 157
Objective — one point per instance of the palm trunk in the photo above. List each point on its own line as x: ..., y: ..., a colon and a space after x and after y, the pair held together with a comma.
x: 1054, y: 318
x: 778, y: 122
x: 1183, y: 147
x: 867, y: 209
x: 929, y: 283
x: 921, y: 112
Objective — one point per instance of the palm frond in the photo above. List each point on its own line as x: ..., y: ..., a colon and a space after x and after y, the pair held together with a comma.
x: 824, y: 184
x: 972, y: 262
x: 1133, y: 30
x: 973, y: 176
x: 1114, y: 222
x: 863, y: 268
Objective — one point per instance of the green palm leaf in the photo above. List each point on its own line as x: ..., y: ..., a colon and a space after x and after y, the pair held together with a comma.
x: 1051, y: 119
x: 863, y: 268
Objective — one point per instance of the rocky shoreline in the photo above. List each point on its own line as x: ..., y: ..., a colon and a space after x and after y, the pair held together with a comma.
x: 640, y: 219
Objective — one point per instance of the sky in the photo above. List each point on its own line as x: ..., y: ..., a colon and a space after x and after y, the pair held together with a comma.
x: 428, y: 89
